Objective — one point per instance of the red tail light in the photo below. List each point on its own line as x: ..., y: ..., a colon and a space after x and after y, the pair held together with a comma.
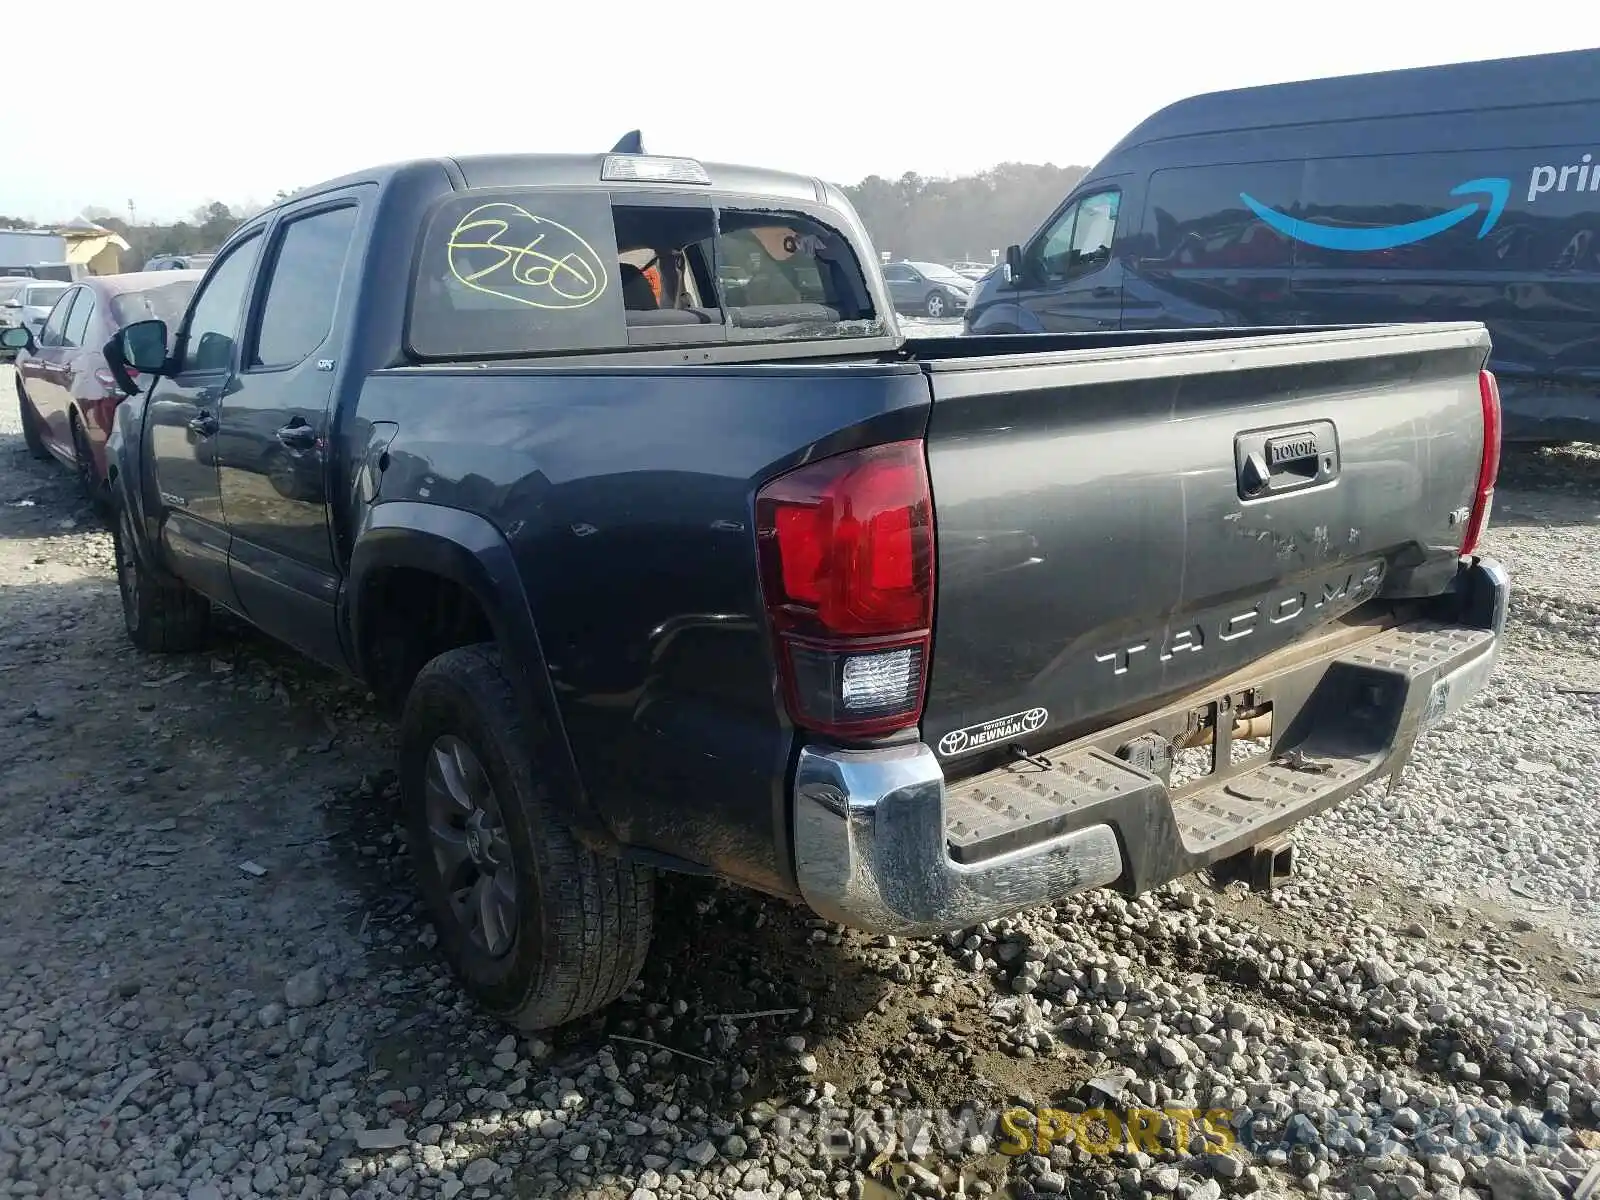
x: 846, y: 549
x: 1489, y: 465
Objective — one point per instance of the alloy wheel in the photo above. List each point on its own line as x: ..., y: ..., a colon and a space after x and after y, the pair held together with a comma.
x: 470, y: 848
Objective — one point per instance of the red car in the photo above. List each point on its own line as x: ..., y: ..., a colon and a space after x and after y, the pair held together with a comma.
x: 65, y: 391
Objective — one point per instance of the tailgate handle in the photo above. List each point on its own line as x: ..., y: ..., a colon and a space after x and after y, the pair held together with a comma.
x: 1271, y: 462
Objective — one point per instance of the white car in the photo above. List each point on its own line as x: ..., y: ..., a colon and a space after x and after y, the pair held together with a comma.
x: 29, y: 301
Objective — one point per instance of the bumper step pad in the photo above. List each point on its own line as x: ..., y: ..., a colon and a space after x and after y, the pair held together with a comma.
x: 1347, y: 743
x: 1028, y: 803
x: 1218, y: 820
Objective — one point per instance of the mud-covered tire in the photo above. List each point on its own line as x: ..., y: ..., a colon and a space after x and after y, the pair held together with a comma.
x: 30, y: 425
x: 162, y: 615
x: 583, y: 920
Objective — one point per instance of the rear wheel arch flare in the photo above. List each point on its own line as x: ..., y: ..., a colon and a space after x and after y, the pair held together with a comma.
x: 459, y: 556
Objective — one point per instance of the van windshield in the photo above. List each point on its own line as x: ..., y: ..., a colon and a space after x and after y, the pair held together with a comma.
x: 513, y: 273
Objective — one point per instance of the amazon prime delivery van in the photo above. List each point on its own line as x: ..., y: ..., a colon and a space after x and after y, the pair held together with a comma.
x: 1470, y: 191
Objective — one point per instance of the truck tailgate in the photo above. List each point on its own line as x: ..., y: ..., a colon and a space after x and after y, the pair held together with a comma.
x: 1118, y: 527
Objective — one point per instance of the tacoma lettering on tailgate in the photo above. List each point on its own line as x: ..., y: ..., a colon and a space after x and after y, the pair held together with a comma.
x: 1286, y: 607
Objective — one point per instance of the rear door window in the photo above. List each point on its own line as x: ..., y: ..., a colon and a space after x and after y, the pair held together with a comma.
x: 55, y: 324
x: 78, y: 322
x: 297, y: 315
x: 505, y: 273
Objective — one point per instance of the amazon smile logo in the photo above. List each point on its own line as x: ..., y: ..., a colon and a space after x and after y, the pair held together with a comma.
x: 1387, y: 237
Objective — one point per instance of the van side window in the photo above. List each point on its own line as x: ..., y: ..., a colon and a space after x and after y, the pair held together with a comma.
x: 1415, y: 220
x: 1080, y: 240
x: 1196, y: 219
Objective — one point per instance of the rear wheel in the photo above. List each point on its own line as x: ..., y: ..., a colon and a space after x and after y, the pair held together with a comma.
x: 30, y: 425
x: 539, y: 929
x: 94, y: 489
x: 162, y: 615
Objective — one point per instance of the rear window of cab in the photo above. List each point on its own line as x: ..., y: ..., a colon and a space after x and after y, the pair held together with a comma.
x: 513, y: 273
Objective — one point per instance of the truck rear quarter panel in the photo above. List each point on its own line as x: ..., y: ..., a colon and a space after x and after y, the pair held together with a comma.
x: 627, y: 497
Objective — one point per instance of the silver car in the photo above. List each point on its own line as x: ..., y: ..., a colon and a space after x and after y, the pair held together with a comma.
x: 30, y: 303
x: 10, y: 288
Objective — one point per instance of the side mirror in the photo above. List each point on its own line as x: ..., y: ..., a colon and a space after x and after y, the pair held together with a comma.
x: 1014, y: 265
x: 144, y: 346
x: 140, y: 347
x: 13, y: 303
x: 214, y: 353
x: 17, y: 337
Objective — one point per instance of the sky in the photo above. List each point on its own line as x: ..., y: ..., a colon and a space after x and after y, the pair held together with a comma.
x: 204, y: 100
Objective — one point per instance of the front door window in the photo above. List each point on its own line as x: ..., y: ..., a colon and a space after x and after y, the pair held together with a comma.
x: 1080, y: 239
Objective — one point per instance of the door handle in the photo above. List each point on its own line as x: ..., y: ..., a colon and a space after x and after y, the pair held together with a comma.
x: 298, y: 437
x: 1104, y: 292
x: 203, y: 424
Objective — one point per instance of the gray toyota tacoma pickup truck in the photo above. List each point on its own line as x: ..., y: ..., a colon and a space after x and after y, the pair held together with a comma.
x: 616, y: 475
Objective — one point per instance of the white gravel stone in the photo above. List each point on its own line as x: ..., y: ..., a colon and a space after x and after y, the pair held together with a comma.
x: 479, y: 1172
x: 307, y: 989
x: 701, y: 1153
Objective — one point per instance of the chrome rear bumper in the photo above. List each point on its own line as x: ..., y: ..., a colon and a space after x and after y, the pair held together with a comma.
x: 870, y: 826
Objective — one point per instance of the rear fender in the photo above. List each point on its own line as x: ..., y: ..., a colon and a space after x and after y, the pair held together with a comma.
x: 470, y: 552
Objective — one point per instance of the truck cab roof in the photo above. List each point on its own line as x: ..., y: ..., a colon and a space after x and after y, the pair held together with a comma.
x: 582, y: 170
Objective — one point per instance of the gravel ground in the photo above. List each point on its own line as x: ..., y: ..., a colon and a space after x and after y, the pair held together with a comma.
x: 215, y: 980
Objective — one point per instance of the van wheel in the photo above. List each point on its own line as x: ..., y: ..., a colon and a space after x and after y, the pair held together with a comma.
x: 30, y: 425
x: 162, y: 615
x: 936, y: 305
x: 539, y: 929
